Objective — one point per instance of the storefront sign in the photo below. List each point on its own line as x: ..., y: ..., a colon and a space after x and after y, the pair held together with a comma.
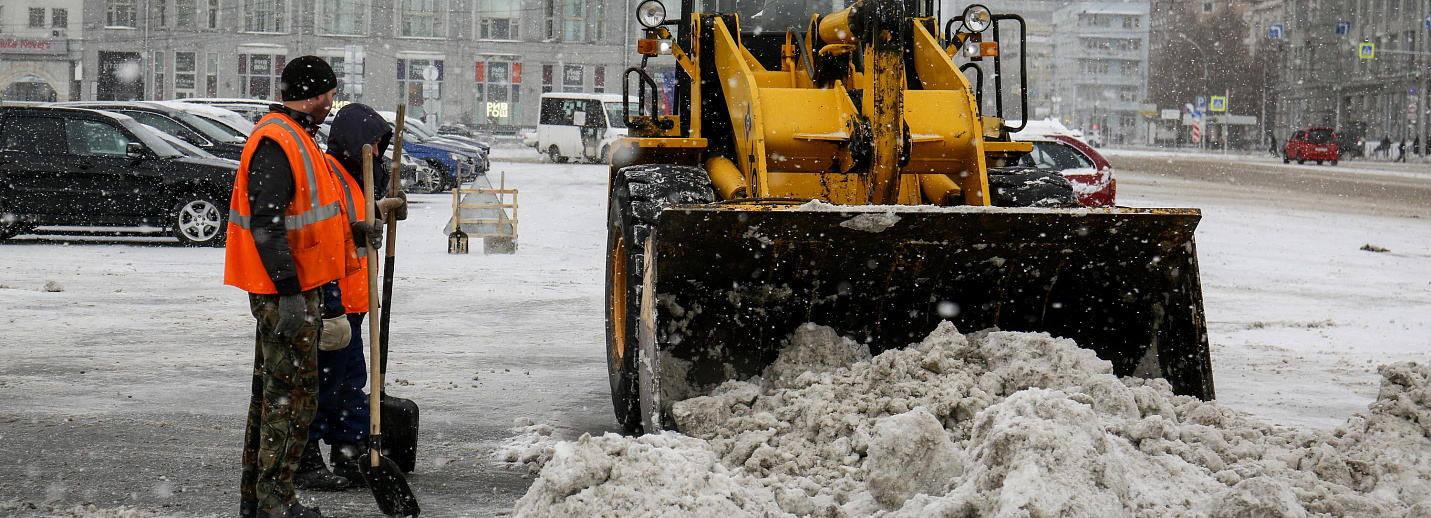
x: 13, y: 45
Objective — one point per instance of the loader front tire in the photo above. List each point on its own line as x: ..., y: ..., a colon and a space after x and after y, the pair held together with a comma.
x: 638, y: 195
x: 1030, y: 187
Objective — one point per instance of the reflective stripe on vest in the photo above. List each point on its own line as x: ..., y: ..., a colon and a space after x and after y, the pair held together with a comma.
x: 318, y: 212
x: 338, y: 170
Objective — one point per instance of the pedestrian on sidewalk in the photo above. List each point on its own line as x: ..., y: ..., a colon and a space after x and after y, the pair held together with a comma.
x: 289, y: 235
x: 342, y: 416
x: 1401, y: 151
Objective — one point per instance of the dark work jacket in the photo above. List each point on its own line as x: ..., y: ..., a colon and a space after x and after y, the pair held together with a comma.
x: 354, y: 126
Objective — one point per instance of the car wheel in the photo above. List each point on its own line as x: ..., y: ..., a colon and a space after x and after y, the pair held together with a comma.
x: 1286, y: 158
x: 11, y: 226
x: 554, y: 155
x: 1301, y: 160
x: 429, y: 180
x: 1334, y: 163
x: 199, y: 221
x: 1319, y: 162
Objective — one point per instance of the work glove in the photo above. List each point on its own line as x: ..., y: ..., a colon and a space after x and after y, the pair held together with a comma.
x: 396, y: 205
x: 336, y: 333
x: 373, y: 232
x: 292, y: 312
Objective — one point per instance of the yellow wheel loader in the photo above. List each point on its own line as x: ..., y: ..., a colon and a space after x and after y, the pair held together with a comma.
x: 832, y: 163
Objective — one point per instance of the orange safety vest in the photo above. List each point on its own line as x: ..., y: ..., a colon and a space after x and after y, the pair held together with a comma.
x: 318, y: 231
x: 354, y: 286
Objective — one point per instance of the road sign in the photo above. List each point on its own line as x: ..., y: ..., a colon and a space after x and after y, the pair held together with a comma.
x: 1219, y: 103
x: 1428, y: 21
x: 1411, y: 106
x: 1366, y: 50
x: 1413, y: 91
x: 1201, y: 103
x: 1275, y: 31
x: 1197, y: 130
x: 1343, y: 28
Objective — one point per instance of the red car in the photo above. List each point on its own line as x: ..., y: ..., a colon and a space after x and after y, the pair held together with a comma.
x: 1311, y: 143
x: 1090, y: 173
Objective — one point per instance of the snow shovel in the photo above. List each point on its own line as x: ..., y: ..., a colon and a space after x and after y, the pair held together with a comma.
x: 383, y: 476
x: 400, y: 416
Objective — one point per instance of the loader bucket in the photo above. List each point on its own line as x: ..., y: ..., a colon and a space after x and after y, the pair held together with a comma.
x: 731, y: 282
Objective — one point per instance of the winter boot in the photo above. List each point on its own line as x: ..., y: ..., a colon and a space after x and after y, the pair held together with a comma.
x: 313, y: 475
x: 296, y: 510
x: 345, y: 457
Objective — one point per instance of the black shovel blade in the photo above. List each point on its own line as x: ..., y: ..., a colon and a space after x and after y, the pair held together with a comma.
x: 400, y: 420
x: 457, y: 242
x: 389, y: 486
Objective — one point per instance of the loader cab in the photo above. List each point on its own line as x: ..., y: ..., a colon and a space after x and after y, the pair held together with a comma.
x: 580, y: 125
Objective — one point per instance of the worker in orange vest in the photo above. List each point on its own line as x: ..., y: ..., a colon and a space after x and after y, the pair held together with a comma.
x: 289, y: 233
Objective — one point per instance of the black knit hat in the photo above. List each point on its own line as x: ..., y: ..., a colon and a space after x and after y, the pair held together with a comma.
x: 307, y: 77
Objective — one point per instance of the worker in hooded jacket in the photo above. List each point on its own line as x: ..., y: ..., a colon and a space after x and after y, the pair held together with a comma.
x: 342, y: 417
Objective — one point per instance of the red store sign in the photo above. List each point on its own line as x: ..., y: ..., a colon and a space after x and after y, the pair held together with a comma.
x: 13, y: 45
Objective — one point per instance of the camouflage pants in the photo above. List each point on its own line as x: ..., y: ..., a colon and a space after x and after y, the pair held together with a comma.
x: 284, y: 398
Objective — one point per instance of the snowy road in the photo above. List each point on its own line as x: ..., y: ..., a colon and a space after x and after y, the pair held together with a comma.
x: 127, y: 386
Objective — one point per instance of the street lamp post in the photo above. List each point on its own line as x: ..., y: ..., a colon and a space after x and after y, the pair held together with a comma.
x: 1203, y: 55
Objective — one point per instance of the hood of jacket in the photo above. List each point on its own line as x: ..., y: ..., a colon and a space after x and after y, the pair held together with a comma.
x: 354, y: 126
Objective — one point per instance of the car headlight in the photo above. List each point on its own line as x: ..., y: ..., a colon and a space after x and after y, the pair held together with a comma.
x: 977, y: 18
x: 454, y: 156
x: 651, y: 13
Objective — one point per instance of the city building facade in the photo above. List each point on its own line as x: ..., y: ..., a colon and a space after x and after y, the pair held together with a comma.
x: 1100, y: 79
x: 479, y: 62
x: 39, y: 51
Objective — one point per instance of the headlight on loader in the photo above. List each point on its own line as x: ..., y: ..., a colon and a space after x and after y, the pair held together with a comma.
x: 651, y: 13
x: 976, y: 18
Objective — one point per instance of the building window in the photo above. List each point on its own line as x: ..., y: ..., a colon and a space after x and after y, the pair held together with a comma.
x: 119, y: 13
x: 598, y: 11
x: 1206, y: 7
x: 573, y: 16
x: 498, y: 19
x: 572, y: 79
x: 213, y: 14
x: 184, y: 68
x: 258, y: 75
x: 158, y: 76
x: 1132, y: 22
x: 60, y: 18
x: 344, y: 17
x: 37, y: 17
x: 547, y: 73
x: 420, y: 86
x: 161, y: 9
x: 498, y: 91
x: 211, y: 78
x: 598, y: 80
x: 422, y: 18
x: 263, y: 16
x: 185, y: 12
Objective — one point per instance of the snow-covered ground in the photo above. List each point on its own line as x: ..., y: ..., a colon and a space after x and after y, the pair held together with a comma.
x: 101, y: 330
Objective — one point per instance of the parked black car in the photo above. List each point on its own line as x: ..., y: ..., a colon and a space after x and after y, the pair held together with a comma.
x: 80, y: 167
x: 206, y: 134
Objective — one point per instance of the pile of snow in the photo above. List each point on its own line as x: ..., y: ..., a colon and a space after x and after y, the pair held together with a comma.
x: 989, y: 424
x: 533, y: 444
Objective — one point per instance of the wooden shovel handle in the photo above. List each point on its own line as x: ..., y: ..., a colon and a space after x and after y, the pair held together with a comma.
x: 375, y: 407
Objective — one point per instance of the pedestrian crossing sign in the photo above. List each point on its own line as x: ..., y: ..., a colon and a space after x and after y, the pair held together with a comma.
x: 1366, y: 50
x: 1219, y: 103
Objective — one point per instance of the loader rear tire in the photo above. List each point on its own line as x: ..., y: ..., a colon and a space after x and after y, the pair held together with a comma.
x: 638, y: 195
x: 1030, y: 187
